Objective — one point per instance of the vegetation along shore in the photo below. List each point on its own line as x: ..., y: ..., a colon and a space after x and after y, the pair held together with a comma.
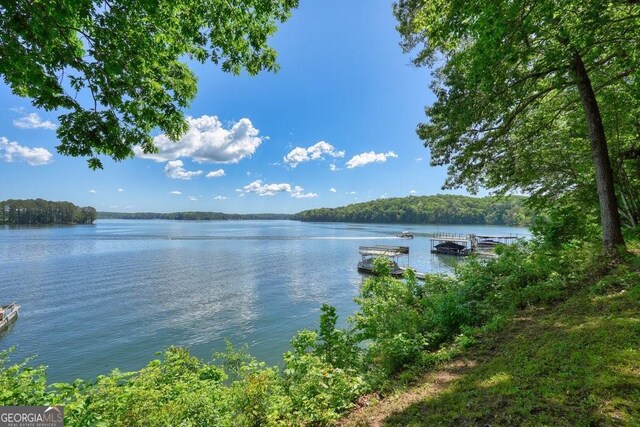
x: 44, y: 212
x: 436, y: 209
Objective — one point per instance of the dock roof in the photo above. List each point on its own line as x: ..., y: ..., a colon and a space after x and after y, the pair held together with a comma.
x: 384, y: 250
x: 450, y: 239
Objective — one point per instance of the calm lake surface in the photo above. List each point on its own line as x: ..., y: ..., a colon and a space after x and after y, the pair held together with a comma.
x: 113, y: 294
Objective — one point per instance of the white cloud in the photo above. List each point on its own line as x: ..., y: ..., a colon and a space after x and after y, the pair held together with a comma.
x: 207, y: 141
x: 418, y: 159
x: 412, y: 192
x: 177, y: 193
x: 298, y: 193
x: 318, y: 149
x: 296, y: 156
x: 370, y: 157
x: 216, y: 174
x: 315, y: 152
x: 174, y: 169
x: 193, y: 198
x: 333, y: 190
x: 120, y: 190
x: 262, y: 189
x: 11, y: 151
x: 220, y: 198
x: 352, y: 192
x: 92, y: 191
x: 33, y: 121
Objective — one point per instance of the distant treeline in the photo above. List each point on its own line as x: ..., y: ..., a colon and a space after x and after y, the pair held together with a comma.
x: 44, y: 212
x: 189, y: 216
x: 438, y: 209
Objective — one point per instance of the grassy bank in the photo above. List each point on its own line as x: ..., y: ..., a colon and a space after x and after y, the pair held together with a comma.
x: 572, y: 363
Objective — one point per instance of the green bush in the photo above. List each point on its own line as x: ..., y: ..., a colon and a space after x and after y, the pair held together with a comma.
x: 564, y: 222
x: 21, y: 384
x: 178, y: 390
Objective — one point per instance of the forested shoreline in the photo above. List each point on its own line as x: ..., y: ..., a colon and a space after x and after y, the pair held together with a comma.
x: 437, y: 209
x: 44, y: 212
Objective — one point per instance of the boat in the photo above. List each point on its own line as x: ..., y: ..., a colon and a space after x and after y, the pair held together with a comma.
x: 452, y: 244
x: 450, y: 248
x: 369, y: 253
x: 405, y: 235
x: 8, y: 314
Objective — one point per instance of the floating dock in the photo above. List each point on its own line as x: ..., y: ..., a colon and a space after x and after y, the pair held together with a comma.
x: 369, y: 253
x: 8, y: 314
x: 384, y: 250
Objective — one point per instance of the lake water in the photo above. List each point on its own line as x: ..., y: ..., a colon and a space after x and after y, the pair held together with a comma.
x: 113, y: 294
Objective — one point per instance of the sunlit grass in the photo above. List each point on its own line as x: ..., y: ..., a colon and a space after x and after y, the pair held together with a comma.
x: 574, y: 364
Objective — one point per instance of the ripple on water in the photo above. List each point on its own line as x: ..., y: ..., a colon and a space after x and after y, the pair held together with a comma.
x: 112, y: 295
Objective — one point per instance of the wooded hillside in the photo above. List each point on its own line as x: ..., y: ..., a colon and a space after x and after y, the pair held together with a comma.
x: 437, y: 209
x: 44, y: 212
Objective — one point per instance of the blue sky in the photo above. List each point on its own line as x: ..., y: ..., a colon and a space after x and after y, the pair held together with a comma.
x: 336, y: 125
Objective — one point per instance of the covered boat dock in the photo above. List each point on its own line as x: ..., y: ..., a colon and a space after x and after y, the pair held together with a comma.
x: 451, y: 244
x: 466, y: 244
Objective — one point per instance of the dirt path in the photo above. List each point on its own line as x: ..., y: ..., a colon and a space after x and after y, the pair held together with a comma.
x: 374, y: 413
x: 430, y: 385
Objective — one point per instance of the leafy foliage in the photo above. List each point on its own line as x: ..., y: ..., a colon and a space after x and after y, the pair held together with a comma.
x: 116, y: 67
x: 560, y: 224
x: 43, y: 212
x: 528, y: 97
x: 438, y: 209
x: 21, y: 384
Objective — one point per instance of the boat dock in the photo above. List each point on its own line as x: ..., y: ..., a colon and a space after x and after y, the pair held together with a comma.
x: 393, y: 253
x: 467, y: 244
x: 369, y: 253
x: 456, y: 244
x: 8, y: 314
x: 384, y: 250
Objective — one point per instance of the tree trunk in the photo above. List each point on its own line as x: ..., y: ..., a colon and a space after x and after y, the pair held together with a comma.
x: 609, y: 216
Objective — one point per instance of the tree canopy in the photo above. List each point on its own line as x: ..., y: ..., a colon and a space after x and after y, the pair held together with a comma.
x: 44, y: 212
x: 116, y: 68
x: 438, y: 209
x: 528, y: 96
